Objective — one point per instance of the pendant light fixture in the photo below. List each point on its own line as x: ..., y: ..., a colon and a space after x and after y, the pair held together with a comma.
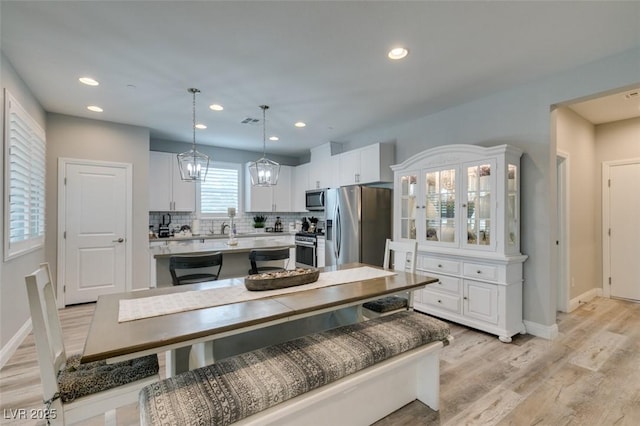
x: 264, y: 172
x: 193, y: 165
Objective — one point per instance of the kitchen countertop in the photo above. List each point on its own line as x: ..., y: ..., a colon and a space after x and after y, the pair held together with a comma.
x: 220, y: 236
x: 244, y: 245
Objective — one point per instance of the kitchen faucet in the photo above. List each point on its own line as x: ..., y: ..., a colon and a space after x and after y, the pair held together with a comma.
x: 223, y: 227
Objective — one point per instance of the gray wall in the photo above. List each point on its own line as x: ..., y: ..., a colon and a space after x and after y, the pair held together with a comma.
x: 81, y: 138
x: 14, y: 310
x: 220, y: 154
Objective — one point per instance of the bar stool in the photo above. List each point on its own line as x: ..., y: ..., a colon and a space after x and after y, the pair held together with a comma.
x: 180, y: 262
x: 266, y: 255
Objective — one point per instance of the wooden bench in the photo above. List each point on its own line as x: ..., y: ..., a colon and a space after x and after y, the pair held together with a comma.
x: 352, y: 375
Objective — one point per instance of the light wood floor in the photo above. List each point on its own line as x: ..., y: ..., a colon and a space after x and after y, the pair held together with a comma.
x: 589, y: 375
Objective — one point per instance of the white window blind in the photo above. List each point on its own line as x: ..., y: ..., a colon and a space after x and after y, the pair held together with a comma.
x: 220, y: 190
x: 24, y: 180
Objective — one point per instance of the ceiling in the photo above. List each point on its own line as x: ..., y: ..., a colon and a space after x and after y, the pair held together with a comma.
x: 323, y: 63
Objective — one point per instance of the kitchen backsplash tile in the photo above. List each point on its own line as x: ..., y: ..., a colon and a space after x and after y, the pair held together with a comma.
x: 243, y: 221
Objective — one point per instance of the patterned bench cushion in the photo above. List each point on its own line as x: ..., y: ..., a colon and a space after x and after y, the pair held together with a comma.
x: 387, y: 304
x: 76, y: 380
x: 237, y: 387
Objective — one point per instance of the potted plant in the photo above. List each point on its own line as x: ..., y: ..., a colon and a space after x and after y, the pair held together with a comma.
x: 259, y: 221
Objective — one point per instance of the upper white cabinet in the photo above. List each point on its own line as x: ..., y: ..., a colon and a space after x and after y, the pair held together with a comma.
x: 167, y: 191
x: 269, y: 198
x: 323, y: 168
x: 366, y: 165
x: 462, y: 204
x: 300, y: 183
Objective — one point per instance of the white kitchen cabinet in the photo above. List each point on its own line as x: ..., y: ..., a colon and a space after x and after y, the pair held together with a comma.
x: 462, y: 204
x: 167, y: 191
x: 323, y: 168
x: 320, y: 256
x: 366, y: 165
x: 269, y: 198
x: 300, y: 183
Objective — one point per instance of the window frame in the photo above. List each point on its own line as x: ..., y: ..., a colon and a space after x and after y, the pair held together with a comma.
x: 221, y: 165
x: 36, y: 139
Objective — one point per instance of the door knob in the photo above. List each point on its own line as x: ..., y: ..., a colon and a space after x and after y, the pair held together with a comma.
x: 119, y: 240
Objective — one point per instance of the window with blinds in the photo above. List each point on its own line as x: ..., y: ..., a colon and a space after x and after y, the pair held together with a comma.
x: 220, y: 190
x: 24, y: 180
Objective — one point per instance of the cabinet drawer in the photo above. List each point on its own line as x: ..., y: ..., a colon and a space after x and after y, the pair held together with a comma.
x: 441, y: 265
x: 447, y: 284
x: 486, y: 272
x: 441, y: 301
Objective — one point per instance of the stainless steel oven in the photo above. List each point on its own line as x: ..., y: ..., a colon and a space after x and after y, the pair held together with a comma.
x: 306, y: 248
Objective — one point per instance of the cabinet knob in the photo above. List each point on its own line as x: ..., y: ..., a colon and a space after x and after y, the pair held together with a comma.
x: 439, y: 301
x: 439, y: 266
x: 478, y: 271
x: 464, y: 205
x: 465, y: 298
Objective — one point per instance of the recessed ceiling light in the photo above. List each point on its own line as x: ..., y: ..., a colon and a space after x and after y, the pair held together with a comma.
x: 300, y: 124
x: 216, y: 107
x: 88, y: 81
x: 201, y: 126
x: 274, y: 138
x: 94, y: 108
x: 398, y: 53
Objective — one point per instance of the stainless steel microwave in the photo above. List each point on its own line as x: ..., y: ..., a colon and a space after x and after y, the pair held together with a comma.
x: 315, y: 199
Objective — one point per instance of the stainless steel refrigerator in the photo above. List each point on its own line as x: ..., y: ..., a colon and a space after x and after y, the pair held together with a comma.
x: 358, y: 221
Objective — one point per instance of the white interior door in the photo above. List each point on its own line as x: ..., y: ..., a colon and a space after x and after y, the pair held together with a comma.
x: 95, y: 228
x: 624, y: 225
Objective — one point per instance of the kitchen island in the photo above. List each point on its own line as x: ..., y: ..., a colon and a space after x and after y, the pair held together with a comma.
x: 235, y: 262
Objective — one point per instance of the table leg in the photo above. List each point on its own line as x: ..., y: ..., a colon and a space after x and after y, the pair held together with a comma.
x: 177, y: 361
x: 201, y: 354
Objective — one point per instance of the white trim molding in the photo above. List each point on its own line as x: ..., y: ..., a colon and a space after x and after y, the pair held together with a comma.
x: 12, y: 345
x: 585, y: 297
x: 548, y: 332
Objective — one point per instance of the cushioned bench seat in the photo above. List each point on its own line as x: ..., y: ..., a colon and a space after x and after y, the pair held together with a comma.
x: 240, y: 386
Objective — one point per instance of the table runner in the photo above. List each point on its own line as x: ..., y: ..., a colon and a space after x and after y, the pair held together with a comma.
x: 147, y: 307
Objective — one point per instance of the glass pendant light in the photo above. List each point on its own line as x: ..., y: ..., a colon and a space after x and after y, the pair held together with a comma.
x: 264, y: 172
x: 193, y: 165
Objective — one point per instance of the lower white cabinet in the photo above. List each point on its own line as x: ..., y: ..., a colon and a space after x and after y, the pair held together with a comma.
x: 482, y: 293
x: 320, y: 256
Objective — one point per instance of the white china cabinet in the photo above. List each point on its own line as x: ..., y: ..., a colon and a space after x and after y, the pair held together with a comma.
x: 462, y: 204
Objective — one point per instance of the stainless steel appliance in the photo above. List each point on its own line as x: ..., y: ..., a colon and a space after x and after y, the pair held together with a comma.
x: 358, y: 221
x: 315, y: 199
x: 306, y: 248
x: 163, y: 229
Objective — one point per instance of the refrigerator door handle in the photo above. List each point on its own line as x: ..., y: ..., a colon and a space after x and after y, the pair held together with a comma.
x: 338, y: 234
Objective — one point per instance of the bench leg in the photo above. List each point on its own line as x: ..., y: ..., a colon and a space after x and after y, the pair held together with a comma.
x: 201, y: 355
x: 429, y: 381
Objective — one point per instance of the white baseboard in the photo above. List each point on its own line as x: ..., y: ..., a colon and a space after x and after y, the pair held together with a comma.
x: 548, y: 332
x: 10, y: 348
x: 584, y: 298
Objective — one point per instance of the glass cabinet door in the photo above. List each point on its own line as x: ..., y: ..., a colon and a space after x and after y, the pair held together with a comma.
x: 440, y: 209
x: 513, y: 227
x: 479, y: 202
x: 408, y: 206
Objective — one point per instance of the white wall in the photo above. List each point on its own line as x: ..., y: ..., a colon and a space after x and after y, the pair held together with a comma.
x: 576, y: 137
x: 14, y: 309
x: 520, y: 117
x: 81, y: 138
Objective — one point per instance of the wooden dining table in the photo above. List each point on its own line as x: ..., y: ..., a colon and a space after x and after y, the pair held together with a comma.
x: 176, y: 333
